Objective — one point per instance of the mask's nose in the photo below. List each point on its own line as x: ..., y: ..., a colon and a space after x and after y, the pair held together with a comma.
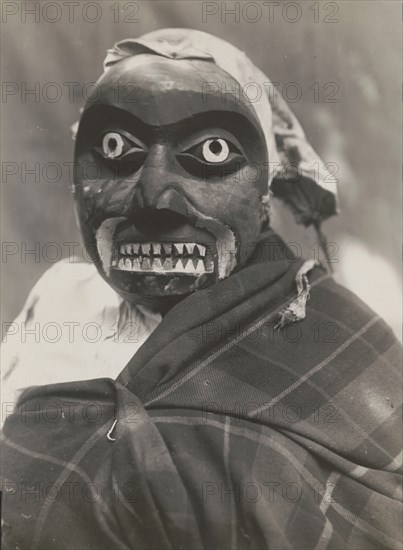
x: 159, y: 203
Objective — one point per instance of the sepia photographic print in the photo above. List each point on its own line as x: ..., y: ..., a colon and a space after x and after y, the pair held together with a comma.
x: 201, y: 275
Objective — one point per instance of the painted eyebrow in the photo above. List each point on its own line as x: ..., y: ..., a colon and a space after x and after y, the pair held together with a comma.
x: 197, y: 122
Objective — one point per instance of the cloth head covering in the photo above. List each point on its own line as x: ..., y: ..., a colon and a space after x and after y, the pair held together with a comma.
x: 296, y: 173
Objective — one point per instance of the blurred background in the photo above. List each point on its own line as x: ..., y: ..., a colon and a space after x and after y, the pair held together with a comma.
x: 344, y: 58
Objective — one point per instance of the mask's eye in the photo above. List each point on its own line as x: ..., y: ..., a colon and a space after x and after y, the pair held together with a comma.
x: 112, y: 145
x: 212, y: 158
x: 215, y: 150
x: 122, y: 147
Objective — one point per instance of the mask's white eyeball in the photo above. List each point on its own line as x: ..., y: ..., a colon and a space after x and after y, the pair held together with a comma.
x: 112, y: 145
x: 215, y: 150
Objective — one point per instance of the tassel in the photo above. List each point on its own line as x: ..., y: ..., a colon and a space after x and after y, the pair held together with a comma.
x: 296, y: 310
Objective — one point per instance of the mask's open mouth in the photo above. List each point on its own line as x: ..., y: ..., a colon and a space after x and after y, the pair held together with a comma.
x: 163, y: 257
x: 167, y: 261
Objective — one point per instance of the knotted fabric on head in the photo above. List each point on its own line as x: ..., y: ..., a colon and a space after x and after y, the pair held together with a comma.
x: 296, y: 175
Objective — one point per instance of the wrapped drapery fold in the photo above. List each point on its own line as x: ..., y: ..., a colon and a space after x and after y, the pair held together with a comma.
x: 221, y: 432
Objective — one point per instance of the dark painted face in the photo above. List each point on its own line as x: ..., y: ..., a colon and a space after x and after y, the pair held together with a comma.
x: 168, y: 177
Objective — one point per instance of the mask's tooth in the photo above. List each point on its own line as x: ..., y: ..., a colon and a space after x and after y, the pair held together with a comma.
x: 136, y: 264
x: 188, y: 268
x: 136, y: 248
x: 190, y: 247
x: 157, y: 264
x: 178, y: 247
x: 168, y: 264
x: 146, y: 264
x: 128, y: 264
x: 121, y: 264
x: 128, y: 249
x: 179, y: 267
x: 166, y: 248
x: 202, y: 250
x: 156, y: 249
x: 199, y: 267
x: 122, y: 249
x: 175, y: 260
x: 146, y: 248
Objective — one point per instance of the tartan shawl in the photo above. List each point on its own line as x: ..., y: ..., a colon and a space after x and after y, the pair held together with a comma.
x: 221, y: 432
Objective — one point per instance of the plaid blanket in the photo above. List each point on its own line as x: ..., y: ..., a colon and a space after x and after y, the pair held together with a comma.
x: 221, y: 432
